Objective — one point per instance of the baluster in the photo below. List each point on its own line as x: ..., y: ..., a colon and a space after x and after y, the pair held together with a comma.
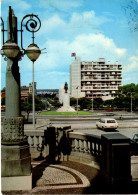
x: 36, y: 141
x: 82, y: 146
x: 31, y: 141
x: 98, y: 149
x: 91, y: 147
x: 94, y: 148
x: 77, y: 145
x: 86, y: 147
x: 40, y: 141
x: 73, y: 144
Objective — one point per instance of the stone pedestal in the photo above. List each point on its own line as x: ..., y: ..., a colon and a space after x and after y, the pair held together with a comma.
x: 16, y: 183
x: 15, y: 156
x: 66, y: 104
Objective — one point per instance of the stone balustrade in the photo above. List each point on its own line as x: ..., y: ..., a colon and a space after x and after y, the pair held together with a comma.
x: 85, y: 145
x: 36, y: 142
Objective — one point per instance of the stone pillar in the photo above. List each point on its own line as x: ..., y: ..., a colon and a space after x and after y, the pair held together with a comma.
x: 66, y: 100
x: 15, y: 155
x: 116, y: 164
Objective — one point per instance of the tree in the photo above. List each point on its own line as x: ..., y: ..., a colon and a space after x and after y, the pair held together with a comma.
x: 27, y: 106
x: 3, y: 90
x: 98, y: 103
x: 123, y: 99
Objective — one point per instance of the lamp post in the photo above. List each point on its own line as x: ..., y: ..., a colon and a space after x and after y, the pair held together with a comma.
x: 15, y: 156
x: 77, y: 98
x: 131, y: 102
x: 92, y: 102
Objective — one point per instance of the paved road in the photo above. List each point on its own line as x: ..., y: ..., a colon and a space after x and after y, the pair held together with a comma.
x: 126, y: 127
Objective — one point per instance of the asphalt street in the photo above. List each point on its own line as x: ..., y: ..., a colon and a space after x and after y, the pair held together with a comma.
x: 126, y: 127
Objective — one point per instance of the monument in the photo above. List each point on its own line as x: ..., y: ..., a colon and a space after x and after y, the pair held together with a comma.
x: 66, y: 101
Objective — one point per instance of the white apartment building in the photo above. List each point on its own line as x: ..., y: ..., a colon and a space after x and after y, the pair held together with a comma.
x: 94, y: 79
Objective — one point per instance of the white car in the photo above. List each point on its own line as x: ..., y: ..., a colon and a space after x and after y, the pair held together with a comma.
x: 107, y: 123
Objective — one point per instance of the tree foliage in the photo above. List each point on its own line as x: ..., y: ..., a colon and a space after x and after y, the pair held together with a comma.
x: 86, y: 103
x: 27, y: 105
x: 126, y: 95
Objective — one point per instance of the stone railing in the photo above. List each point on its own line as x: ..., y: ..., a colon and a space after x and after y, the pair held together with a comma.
x: 36, y: 143
x: 37, y: 138
x: 85, y: 145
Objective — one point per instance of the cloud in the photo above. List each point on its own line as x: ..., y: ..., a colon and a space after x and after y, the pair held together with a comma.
x: 92, y: 46
x: 87, y: 46
x: 51, y: 24
x: 61, y: 5
x: 78, y: 23
x: 132, y: 63
x: 130, y: 71
x: 21, y: 5
x: 86, y: 19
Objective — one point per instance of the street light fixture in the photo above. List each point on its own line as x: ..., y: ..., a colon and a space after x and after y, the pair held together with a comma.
x: 33, y: 53
x: 10, y: 49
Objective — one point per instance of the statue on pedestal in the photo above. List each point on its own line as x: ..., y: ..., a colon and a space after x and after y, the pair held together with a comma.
x: 66, y: 100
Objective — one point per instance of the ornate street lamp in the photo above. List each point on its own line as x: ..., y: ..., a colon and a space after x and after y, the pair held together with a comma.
x: 11, y: 49
x: 15, y: 156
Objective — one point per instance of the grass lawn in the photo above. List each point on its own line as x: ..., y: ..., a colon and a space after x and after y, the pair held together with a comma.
x: 65, y: 113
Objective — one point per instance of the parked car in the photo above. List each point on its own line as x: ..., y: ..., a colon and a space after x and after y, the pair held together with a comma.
x: 134, y: 145
x: 110, y: 114
x: 107, y: 123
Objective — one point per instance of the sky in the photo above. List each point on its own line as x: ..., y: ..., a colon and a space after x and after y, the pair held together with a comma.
x: 92, y: 29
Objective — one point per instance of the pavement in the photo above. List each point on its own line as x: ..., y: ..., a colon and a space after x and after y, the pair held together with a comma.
x: 70, y: 177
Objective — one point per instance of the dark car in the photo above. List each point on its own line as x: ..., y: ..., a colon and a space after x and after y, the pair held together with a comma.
x: 134, y: 145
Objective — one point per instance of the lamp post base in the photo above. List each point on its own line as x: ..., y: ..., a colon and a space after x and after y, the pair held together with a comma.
x: 15, y: 167
x: 16, y: 183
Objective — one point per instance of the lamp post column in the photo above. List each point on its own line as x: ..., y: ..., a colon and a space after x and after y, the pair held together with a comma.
x: 92, y: 101
x: 15, y: 155
x: 131, y: 103
x: 33, y: 95
x: 12, y: 73
x: 77, y: 98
